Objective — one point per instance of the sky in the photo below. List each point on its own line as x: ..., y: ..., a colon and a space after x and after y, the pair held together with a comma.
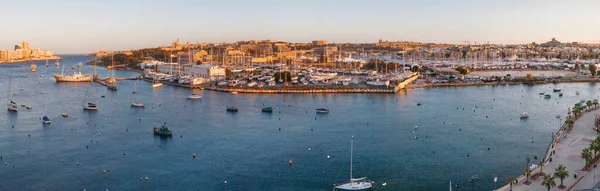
x: 84, y: 26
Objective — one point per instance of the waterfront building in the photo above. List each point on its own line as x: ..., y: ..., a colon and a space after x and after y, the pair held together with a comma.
x: 186, y: 58
x: 204, y: 71
x: 319, y: 42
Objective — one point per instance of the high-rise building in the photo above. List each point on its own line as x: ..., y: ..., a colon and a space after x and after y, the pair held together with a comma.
x: 24, y: 45
x: 17, y: 47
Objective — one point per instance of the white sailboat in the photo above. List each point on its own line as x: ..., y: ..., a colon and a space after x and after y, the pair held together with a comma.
x: 154, y: 83
x: 87, y: 105
x: 135, y: 102
x: 12, y: 106
x: 355, y: 183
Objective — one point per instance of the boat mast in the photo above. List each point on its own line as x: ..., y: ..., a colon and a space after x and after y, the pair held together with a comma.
x: 9, y: 84
x: 351, y: 146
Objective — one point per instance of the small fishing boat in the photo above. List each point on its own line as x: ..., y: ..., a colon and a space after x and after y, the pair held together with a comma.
x: 267, y: 109
x: 542, y: 93
x: 322, y: 110
x: 232, y: 109
x: 22, y: 105
x: 525, y: 115
x: 28, y: 107
x: 194, y: 96
x: 577, y: 93
x: 90, y: 106
x: 560, y: 94
x: 547, y: 96
x: 137, y: 104
x: 557, y: 116
x: 46, y: 120
x: 556, y: 89
x: 162, y: 131
x: 418, y: 104
x: 33, y: 67
x: 64, y: 114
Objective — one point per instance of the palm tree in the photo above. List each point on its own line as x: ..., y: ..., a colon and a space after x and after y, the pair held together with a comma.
x: 589, y: 104
x: 595, y: 146
x: 527, y: 174
x: 586, y: 154
x: 561, y: 173
x: 595, y: 102
x: 569, y: 121
x: 511, y: 180
x: 542, y: 167
x: 548, y: 181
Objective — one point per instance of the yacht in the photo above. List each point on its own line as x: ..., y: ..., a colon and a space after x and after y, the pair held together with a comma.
x: 76, y: 77
x: 137, y: 104
x: 12, y: 106
x: 194, y: 96
x: 525, y: 115
x: 355, y: 183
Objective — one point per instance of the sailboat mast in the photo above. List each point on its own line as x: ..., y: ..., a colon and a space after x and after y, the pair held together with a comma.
x: 351, y: 147
x: 9, y: 85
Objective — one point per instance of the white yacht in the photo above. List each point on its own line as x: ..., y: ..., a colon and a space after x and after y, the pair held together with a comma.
x: 525, y: 115
x: 355, y: 183
x: 194, y: 96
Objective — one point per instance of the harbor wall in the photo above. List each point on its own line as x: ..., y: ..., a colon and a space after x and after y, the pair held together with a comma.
x: 406, y: 82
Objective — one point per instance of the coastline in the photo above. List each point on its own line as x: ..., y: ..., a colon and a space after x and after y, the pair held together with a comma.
x: 429, y: 85
x: 31, y: 60
x: 563, y: 148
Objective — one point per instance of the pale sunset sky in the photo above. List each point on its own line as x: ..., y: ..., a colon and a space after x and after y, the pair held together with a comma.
x: 83, y: 26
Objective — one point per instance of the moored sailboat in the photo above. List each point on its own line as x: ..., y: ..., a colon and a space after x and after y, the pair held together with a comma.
x: 355, y: 183
x: 87, y: 105
x: 12, y: 106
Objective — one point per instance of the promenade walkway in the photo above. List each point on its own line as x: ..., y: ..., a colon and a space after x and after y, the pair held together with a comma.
x: 567, y: 153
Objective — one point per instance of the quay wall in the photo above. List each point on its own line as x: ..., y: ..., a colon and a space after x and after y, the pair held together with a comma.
x: 402, y: 85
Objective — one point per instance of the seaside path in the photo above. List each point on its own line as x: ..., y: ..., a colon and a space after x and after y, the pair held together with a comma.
x: 567, y: 153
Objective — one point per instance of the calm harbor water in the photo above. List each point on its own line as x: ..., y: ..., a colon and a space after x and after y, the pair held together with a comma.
x: 250, y: 150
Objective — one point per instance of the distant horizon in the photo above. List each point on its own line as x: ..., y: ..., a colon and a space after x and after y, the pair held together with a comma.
x: 328, y: 42
x: 88, y: 26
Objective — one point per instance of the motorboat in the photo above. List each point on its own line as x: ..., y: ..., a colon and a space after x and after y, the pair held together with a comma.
x: 157, y: 85
x: 33, y: 67
x: 525, y: 115
x: 322, y: 110
x: 547, y: 96
x: 251, y: 84
x: 232, y: 109
x: 46, y: 120
x: 90, y: 106
x: 194, y: 96
x: 65, y: 114
x: 137, y: 104
x: 267, y: 109
x: 556, y: 89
